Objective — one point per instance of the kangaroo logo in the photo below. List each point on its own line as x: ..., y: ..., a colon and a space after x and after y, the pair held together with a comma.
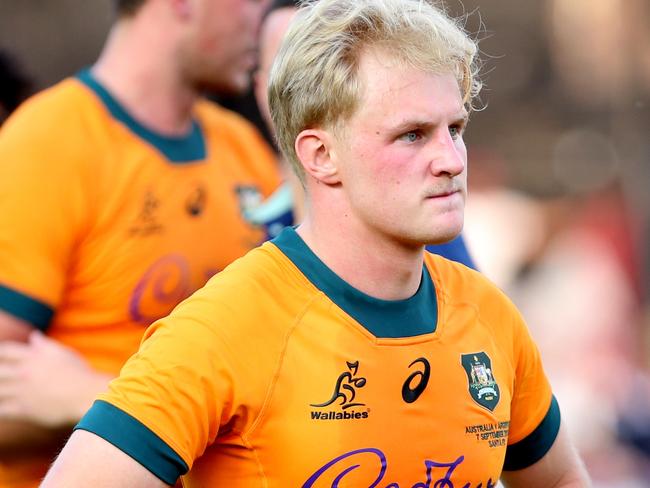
x: 345, y: 389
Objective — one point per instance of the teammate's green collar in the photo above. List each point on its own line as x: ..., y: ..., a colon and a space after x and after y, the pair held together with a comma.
x: 186, y: 149
x: 414, y: 316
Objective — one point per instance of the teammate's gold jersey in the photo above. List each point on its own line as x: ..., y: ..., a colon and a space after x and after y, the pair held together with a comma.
x: 105, y: 226
x: 278, y: 373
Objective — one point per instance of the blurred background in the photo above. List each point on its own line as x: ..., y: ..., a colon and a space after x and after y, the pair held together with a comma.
x: 559, y: 208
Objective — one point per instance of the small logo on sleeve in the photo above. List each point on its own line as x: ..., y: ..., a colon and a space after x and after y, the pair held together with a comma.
x: 482, y: 386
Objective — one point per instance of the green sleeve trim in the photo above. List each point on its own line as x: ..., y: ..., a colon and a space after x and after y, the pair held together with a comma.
x: 531, y: 449
x: 25, y: 308
x: 132, y: 437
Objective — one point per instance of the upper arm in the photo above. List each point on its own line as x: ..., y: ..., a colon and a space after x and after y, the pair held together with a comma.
x: 89, y: 460
x: 13, y: 328
x: 534, y: 412
x: 41, y: 215
x: 193, y: 365
x: 180, y: 358
x: 560, y: 467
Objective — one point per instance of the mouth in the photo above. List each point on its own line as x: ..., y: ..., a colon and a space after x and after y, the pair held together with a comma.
x: 442, y: 194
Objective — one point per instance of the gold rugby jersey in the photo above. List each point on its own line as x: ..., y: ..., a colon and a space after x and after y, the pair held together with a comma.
x: 105, y: 226
x: 278, y: 373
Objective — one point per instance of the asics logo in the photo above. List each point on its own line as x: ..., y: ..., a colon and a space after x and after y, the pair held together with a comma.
x: 417, y: 381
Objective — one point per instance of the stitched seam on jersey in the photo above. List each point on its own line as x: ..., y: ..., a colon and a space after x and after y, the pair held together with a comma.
x: 260, y: 466
x: 275, y: 251
x: 276, y: 374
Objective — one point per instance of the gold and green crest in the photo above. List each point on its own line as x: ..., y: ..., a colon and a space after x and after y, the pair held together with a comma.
x: 482, y: 385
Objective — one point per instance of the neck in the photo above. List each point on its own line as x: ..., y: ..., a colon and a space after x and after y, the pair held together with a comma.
x: 138, y: 69
x: 368, y: 261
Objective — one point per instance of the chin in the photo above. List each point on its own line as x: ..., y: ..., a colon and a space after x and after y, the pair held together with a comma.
x: 443, y: 235
x: 235, y: 85
x: 440, y: 239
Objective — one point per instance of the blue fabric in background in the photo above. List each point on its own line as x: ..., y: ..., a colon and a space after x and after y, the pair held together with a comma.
x: 456, y: 250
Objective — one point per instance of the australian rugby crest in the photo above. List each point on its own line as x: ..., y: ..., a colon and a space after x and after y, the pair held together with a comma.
x: 483, y: 388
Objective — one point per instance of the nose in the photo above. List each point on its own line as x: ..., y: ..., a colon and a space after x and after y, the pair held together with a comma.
x: 449, y: 155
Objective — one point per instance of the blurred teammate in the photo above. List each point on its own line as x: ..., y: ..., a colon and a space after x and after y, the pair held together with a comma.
x: 341, y: 353
x: 121, y: 192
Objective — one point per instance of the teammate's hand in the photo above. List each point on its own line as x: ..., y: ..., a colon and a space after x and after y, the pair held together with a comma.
x: 46, y: 383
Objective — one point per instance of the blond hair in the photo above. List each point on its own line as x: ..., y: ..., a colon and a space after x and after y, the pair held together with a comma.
x: 314, y: 79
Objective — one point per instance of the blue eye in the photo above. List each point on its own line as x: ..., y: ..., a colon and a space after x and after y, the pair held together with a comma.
x: 455, y: 132
x: 411, y: 136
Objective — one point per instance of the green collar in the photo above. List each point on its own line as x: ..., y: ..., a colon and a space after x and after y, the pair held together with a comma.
x: 413, y: 316
x: 186, y: 149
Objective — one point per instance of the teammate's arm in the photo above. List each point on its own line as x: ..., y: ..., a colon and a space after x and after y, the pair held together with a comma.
x: 13, y: 328
x: 13, y: 434
x: 559, y: 468
x: 45, y: 388
x: 89, y: 460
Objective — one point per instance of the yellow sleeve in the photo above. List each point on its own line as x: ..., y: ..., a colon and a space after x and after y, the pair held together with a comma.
x: 207, y: 365
x: 42, y: 207
x: 535, y: 414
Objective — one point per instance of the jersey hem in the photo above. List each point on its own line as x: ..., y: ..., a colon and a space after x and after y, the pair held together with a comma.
x: 532, y: 448
x: 133, y: 438
x: 26, y: 308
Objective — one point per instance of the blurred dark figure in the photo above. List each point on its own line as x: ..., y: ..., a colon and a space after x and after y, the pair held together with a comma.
x: 15, y: 85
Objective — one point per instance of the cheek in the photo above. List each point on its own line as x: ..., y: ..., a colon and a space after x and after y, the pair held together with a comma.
x: 394, y: 170
x: 386, y: 164
x: 217, y: 30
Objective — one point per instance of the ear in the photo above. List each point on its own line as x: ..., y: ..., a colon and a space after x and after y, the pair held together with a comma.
x: 315, y: 152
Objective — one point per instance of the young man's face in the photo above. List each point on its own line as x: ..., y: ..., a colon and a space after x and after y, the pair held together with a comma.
x: 401, y: 157
x: 223, y: 45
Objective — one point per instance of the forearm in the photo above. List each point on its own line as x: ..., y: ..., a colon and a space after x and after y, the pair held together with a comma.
x: 83, y: 394
x: 43, y: 417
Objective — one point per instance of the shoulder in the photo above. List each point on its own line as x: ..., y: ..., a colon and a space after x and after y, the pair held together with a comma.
x: 459, y: 282
x: 62, y: 103
x: 262, y: 285
x: 54, y: 125
x: 459, y: 286
x: 237, y: 142
x: 225, y: 121
x: 253, y: 273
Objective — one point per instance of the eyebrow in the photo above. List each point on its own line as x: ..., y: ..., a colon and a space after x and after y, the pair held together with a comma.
x: 417, y: 123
